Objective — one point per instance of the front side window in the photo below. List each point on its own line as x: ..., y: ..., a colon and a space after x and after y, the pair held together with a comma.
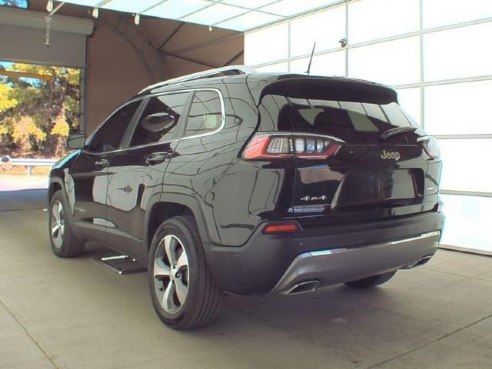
x: 205, y: 113
x: 159, y: 120
x: 110, y: 135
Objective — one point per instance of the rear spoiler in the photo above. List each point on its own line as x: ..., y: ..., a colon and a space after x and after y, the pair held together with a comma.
x: 322, y: 88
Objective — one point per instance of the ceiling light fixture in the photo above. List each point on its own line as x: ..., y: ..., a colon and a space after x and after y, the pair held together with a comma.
x: 95, y: 12
x: 137, y: 19
x: 49, y: 6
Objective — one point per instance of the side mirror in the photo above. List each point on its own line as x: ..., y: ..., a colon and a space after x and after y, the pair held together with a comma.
x: 76, y: 141
x: 159, y: 122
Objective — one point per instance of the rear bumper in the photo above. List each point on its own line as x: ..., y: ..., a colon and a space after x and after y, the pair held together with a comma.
x: 330, y: 255
x: 328, y: 267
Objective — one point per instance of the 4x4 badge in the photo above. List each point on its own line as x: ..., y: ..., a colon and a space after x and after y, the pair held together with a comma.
x: 314, y: 198
x: 390, y: 155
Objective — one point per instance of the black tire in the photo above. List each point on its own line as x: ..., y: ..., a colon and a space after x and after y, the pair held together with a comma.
x: 183, y: 291
x: 373, y: 281
x: 64, y: 242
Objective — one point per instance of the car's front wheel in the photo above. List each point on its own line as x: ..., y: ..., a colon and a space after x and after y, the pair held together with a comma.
x: 183, y: 291
x: 64, y: 242
x: 373, y: 281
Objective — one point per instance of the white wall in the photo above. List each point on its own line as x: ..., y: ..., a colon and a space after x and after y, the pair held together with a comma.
x: 438, y: 55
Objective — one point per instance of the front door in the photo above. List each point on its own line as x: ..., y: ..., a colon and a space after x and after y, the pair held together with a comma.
x: 87, y: 179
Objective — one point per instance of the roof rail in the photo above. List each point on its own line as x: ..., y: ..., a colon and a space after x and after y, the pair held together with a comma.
x: 229, y: 70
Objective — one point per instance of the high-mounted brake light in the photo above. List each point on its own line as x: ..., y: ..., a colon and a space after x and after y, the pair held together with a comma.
x: 275, y: 146
x: 430, y: 146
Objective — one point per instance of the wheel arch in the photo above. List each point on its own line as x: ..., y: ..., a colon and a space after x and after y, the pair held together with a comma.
x: 166, y: 208
x: 55, y: 185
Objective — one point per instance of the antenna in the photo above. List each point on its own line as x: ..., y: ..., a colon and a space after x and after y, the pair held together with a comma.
x: 311, y: 59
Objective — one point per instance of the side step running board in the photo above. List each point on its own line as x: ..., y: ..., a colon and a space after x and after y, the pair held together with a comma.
x: 121, y: 264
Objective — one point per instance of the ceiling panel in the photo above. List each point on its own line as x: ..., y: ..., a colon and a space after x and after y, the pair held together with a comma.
x: 84, y: 2
x: 250, y: 4
x: 248, y: 21
x: 131, y: 6
x: 217, y: 12
x: 177, y: 9
x: 290, y: 8
x: 237, y: 15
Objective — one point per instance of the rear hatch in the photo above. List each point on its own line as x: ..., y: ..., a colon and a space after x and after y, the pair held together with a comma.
x: 358, y: 155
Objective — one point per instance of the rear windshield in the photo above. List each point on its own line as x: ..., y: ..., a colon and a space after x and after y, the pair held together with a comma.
x: 353, y: 122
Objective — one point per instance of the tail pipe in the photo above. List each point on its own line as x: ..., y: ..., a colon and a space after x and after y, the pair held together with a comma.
x: 303, y: 287
x: 422, y: 261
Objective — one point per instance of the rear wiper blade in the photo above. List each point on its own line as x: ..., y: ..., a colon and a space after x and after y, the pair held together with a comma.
x: 396, y: 131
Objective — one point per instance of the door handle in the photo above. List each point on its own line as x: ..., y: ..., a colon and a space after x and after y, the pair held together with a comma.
x: 103, y: 163
x: 157, y: 157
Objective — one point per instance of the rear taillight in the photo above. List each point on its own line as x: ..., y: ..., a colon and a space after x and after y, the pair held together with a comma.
x: 430, y: 146
x: 278, y: 146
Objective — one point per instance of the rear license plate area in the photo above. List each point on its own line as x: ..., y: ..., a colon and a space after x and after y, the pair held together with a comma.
x: 366, y: 187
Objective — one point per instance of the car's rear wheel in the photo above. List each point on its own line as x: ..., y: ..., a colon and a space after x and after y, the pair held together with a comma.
x: 64, y: 242
x: 373, y: 281
x: 183, y: 291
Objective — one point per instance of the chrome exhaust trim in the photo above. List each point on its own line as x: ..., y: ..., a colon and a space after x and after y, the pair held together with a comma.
x: 420, y: 262
x: 303, y: 287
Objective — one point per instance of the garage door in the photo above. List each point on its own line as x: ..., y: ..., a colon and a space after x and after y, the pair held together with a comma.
x: 23, y: 38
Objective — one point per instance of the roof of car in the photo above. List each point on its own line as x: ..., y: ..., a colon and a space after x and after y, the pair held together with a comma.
x: 258, y: 81
x: 211, y: 73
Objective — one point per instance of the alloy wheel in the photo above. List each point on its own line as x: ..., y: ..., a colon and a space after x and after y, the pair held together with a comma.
x: 171, y: 274
x: 57, y: 224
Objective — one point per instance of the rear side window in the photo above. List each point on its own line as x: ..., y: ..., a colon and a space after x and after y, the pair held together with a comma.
x: 205, y: 113
x: 159, y: 120
x: 353, y: 122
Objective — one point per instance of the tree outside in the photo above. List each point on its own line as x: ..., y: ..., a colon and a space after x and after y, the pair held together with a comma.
x: 39, y: 107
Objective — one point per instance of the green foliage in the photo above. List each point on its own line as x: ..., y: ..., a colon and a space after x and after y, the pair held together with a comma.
x: 6, y: 100
x: 61, y: 127
x: 38, y: 110
x: 24, y: 130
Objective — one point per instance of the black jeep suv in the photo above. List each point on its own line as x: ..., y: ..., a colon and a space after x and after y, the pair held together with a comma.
x: 251, y: 183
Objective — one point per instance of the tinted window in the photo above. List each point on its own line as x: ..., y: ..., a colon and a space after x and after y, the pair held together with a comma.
x: 205, y: 113
x: 353, y: 122
x: 159, y: 119
x: 110, y: 135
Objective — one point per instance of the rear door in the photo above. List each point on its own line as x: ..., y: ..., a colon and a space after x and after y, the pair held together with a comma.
x: 358, y: 158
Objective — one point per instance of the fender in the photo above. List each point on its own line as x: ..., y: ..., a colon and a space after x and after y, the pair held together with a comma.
x: 59, y: 181
x: 207, y: 234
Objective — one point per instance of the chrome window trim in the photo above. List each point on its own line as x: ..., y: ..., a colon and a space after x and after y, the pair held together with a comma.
x: 192, y: 90
x: 222, y: 124
x: 222, y: 111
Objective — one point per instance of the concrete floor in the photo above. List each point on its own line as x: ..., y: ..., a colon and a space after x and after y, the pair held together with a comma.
x: 78, y: 314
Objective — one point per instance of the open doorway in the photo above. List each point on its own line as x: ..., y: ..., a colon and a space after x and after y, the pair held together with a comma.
x: 39, y: 107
